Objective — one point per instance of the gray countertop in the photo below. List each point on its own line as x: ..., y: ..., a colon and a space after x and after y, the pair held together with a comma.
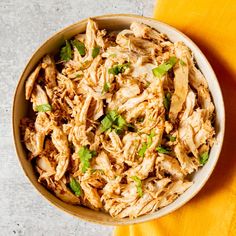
x: 24, y: 25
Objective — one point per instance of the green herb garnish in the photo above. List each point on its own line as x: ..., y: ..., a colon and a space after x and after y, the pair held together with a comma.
x: 106, y: 87
x: 121, y: 123
x: 113, y: 120
x: 149, y: 139
x: 75, y: 186
x: 138, y: 182
x: 171, y: 138
x: 44, y: 107
x: 164, y: 68
x: 203, y: 158
x: 66, y: 52
x: 106, y: 123
x: 80, y: 46
x: 182, y: 63
x: 94, y: 153
x: 117, y: 69
x: 85, y: 156
x: 147, y: 84
x: 142, y: 150
x: 167, y: 101
x: 163, y: 150
x: 146, y: 145
x: 95, y: 51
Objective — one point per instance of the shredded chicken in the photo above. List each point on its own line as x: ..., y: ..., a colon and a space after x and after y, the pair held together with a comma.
x: 120, y: 120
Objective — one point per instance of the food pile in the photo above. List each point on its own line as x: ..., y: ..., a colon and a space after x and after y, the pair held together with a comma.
x: 121, y: 120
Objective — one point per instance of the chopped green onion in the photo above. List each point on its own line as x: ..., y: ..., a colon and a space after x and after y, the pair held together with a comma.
x: 146, y: 145
x: 121, y: 121
x: 149, y: 139
x: 43, y: 107
x: 203, y: 158
x: 113, y: 114
x: 147, y: 84
x: 95, y: 51
x: 142, y: 150
x: 75, y: 186
x: 164, y: 68
x: 106, y: 124
x: 138, y: 185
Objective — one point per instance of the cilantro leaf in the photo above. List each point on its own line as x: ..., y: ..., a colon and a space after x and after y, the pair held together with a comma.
x: 44, y: 107
x: 142, y: 150
x: 203, y: 158
x: 117, y: 69
x: 66, y: 52
x: 75, y: 186
x: 95, y: 51
x: 113, y: 120
x: 163, y: 150
x: 138, y: 182
x: 164, y: 68
x: 79, y: 45
x: 85, y: 156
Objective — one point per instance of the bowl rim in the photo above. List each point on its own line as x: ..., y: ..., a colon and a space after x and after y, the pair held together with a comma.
x: 138, y: 219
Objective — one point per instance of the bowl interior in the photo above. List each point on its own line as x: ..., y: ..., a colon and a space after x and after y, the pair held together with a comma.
x: 118, y: 22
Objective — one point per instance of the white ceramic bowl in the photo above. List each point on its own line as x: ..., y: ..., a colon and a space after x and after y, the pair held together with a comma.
x: 118, y: 22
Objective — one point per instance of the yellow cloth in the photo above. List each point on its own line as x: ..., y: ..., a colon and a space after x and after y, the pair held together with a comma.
x: 211, y: 24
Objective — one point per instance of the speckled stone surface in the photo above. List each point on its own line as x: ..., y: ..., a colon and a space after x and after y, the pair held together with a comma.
x: 24, y: 25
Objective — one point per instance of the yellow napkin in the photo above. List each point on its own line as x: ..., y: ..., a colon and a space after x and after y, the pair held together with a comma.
x: 211, y: 24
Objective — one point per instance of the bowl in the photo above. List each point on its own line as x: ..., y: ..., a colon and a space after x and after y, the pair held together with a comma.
x: 118, y: 22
